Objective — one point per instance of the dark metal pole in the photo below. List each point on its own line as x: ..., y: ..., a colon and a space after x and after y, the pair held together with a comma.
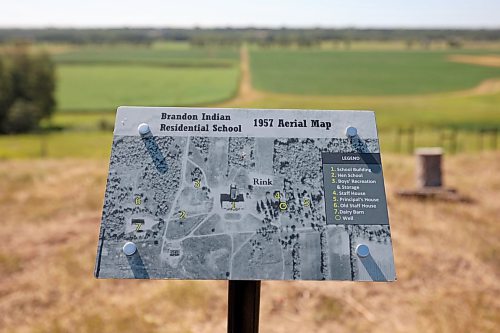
x: 398, y: 140
x: 243, y: 306
x: 454, y: 142
x: 494, y: 139
x: 480, y: 141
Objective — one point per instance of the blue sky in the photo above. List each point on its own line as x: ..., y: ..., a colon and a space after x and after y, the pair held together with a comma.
x: 264, y: 13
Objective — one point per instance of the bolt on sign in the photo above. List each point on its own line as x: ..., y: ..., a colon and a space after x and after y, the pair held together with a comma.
x: 245, y: 194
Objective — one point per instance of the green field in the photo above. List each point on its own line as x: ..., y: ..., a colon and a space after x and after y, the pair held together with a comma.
x: 104, y: 87
x: 434, y: 110
x: 374, y: 72
x: 102, y: 78
x: 169, y: 55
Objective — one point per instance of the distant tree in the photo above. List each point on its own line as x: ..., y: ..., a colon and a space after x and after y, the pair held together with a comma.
x: 27, y: 86
x: 22, y: 116
x: 5, y: 90
x: 234, y: 36
x: 33, y: 79
x: 454, y: 43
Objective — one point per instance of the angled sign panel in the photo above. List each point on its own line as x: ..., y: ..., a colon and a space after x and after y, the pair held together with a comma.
x: 245, y: 194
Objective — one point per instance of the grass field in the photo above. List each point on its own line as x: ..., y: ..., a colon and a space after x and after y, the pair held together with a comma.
x: 446, y: 261
x: 100, y: 78
x: 167, y: 54
x: 473, y: 102
x: 104, y: 87
x: 466, y: 110
x: 369, y: 73
x: 66, y: 144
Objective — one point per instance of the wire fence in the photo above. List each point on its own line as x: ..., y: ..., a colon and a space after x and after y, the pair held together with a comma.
x: 97, y: 143
x: 452, y: 140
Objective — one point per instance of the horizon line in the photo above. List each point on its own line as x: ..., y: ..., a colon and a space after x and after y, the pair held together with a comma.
x: 243, y: 27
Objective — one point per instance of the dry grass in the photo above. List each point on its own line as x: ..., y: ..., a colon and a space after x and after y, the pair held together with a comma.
x: 490, y: 61
x: 446, y: 256
x: 487, y: 87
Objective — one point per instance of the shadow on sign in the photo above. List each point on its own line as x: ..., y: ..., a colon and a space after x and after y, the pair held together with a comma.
x: 372, y: 269
x: 360, y: 146
x: 156, y: 154
x: 137, y: 266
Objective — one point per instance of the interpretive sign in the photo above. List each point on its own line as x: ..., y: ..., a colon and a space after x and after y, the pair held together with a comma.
x: 245, y: 194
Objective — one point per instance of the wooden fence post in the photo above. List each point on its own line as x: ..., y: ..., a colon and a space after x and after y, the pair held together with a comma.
x: 411, y: 140
x: 429, y: 167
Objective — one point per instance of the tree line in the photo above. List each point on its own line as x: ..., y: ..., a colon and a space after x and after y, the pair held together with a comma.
x: 236, y: 36
x: 27, y: 86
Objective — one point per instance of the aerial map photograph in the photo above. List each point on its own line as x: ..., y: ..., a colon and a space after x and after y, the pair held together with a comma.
x: 243, y: 207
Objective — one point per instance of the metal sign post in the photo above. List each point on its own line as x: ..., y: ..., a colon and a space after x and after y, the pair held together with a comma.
x: 243, y: 305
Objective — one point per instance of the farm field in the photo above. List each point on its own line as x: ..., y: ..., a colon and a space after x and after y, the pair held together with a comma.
x: 368, y: 73
x: 164, y: 54
x: 421, y: 87
x: 103, y: 87
x: 467, y: 108
x: 446, y: 262
x: 100, y: 78
x: 79, y: 144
